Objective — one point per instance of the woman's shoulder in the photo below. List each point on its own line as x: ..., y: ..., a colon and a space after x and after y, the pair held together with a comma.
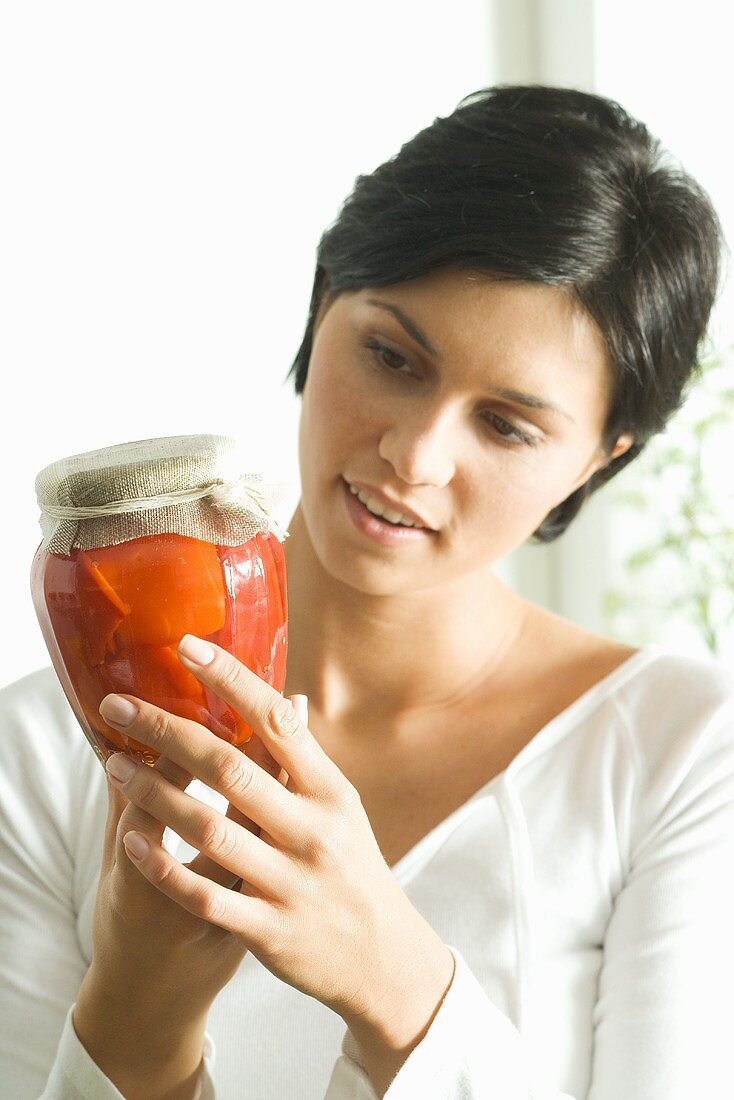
x: 664, y: 721
x: 651, y: 674
x: 660, y: 694
x: 658, y: 688
x: 677, y: 708
x: 669, y: 675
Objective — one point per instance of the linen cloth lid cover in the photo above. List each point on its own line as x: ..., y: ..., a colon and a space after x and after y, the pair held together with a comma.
x: 184, y: 484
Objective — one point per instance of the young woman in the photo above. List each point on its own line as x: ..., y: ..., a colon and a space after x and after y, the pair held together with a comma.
x: 493, y: 856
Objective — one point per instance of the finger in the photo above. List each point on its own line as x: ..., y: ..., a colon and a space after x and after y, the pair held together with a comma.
x: 162, y: 767
x: 256, y: 751
x: 271, y: 716
x: 153, y: 831
x: 201, y: 863
x: 219, y: 765
x: 173, y: 772
x: 144, y: 824
x: 137, y: 819
x: 213, y: 834
x: 250, y: 918
x: 260, y: 755
x: 112, y: 849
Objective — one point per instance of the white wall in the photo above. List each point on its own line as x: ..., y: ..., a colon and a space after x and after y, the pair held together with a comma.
x: 670, y: 64
x: 169, y: 169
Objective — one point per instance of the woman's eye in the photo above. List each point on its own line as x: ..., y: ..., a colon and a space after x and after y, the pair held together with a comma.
x: 509, y: 431
x: 383, y: 355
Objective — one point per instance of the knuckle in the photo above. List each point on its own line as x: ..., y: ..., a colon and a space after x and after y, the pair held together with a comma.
x: 232, y: 677
x: 232, y: 771
x: 307, y: 883
x: 324, y: 850
x: 344, y: 798
x: 328, y: 839
x: 132, y: 817
x: 282, y: 718
x: 348, y: 797
x: 160, y: 874
x: 158, y: 728
x: 148, y: 793
x: 212, y: 906
x: 213, y: 837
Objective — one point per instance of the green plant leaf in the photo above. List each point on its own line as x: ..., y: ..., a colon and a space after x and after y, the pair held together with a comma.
x: 641, y: 558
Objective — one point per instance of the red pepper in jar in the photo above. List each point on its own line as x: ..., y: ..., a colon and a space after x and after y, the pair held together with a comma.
x: 117, y: 613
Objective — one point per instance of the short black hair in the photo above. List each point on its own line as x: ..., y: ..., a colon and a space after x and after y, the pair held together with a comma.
x: 557, y: 186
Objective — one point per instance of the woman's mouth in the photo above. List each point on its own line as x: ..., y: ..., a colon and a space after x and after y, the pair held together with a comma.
x: 379, y: 529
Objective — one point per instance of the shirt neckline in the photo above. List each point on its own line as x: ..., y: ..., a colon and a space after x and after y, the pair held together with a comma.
x: 558, y: 725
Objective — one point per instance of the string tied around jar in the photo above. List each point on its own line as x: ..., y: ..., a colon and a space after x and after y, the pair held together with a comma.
x: 242, y: 492
x: 190, y: 485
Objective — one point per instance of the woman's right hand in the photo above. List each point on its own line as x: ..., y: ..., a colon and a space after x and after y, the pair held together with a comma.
x: 155, y: 967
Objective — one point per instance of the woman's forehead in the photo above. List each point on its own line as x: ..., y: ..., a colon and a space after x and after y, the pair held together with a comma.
x: 456, y: 313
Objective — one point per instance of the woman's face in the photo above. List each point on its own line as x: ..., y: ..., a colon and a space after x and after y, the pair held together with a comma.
x: 431, y: 429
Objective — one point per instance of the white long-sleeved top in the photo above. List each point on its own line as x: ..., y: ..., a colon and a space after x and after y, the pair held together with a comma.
x: 586, y: 892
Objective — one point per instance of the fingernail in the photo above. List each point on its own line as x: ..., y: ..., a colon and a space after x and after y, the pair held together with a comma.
x: 300, y: 705
x: 136, y: 845
x: 196, y: 650
x: 115, y: 709
x: 121, y: 767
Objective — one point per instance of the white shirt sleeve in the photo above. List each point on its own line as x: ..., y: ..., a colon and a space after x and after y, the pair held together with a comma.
x: 50, y: 787
x: 663, y: 1022
x: 470, y: 1052
x: 42, y: 771
x: 74, y: 1076
x: 663, y: 1017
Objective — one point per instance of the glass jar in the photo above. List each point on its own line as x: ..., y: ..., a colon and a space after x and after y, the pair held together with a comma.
x: 146, y: 542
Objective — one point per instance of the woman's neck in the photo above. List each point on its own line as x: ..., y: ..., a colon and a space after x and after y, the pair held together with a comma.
x: 364, y: 659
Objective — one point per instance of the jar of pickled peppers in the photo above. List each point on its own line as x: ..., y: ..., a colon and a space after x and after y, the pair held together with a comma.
x: 144, y: 542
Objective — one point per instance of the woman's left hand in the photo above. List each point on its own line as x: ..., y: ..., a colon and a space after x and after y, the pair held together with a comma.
x: 318, y: 905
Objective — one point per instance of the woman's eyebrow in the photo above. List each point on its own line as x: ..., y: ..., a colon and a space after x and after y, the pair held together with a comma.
x: 410, y: 327
x: 530, y: 400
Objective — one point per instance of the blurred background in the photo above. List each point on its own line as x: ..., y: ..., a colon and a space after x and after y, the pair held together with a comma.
x: 168, y: 171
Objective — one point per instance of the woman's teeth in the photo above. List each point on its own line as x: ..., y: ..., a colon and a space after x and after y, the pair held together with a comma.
x: 380, y: 510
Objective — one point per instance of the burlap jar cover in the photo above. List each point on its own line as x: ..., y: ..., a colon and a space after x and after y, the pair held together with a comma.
x: 185, y: 484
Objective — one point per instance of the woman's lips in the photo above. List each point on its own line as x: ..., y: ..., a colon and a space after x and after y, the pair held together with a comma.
x: 380, y: 530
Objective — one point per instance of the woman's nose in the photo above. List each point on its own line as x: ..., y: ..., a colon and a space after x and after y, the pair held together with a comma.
x: 421, y: 451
